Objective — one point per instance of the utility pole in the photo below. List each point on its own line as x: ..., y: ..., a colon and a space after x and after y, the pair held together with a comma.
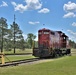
x: 14, y: 34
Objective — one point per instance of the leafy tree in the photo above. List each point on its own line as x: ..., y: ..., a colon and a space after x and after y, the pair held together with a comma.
x: 3, y: 31
x: 20, y: 44
x: 30, y: 39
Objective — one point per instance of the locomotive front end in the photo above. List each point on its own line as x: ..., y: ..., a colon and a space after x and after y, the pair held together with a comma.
x: 43, y: 44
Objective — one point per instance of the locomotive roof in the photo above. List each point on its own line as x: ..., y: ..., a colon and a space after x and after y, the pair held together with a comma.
x: 63, y: 34
x: 44, y: 29
x: 60, y: 32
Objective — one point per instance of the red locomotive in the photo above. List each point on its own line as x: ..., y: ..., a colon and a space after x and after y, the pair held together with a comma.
x: 51, y: 43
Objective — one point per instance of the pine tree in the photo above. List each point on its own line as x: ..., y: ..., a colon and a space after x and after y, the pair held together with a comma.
x: 3, y: 31
x: 16, y: 34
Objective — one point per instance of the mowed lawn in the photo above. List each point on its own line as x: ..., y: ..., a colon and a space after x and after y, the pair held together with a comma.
x: 16, y: 57
x: 60, y: 66
x: 18, y: 51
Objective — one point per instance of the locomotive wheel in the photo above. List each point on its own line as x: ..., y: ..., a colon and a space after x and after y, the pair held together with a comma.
x: 55, y: 55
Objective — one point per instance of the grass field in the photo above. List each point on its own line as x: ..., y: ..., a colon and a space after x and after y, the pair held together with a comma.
x: 60, y: 66
x: 14, y: 57
x: 17, y: 57
x: 18, y: 51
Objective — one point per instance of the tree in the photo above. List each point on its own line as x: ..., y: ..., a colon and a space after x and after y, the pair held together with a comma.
x: 8, y: 42
x: 3, y: 31
x: 20, y: 44
x: 72, y: 44
x: 16, y: 34
x: 30, y: 39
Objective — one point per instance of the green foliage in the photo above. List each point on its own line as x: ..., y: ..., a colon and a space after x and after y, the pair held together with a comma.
x: 12, y: 37
x: 20, y: 44
x: 15, y: 32
x: 16, y: 37
x: 3, y: 32
x: 72, y: 44
x: 30, y: 39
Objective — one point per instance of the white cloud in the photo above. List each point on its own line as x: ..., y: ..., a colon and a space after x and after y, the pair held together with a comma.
x: 34, y: 23
x: 74, y: 24
x: 13, y: 3
x: 19, y: 7
x: 73, y: 35
x: 4, y: 4
x: 33, y: 4
x: 69, y: 15
x: 70, y: 7
x: 44, y: 10
x: 30, y: 5
x: 71, y: 32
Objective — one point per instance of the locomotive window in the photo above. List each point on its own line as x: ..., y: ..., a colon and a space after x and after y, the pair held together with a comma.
x: 64, y: 38
x: 52, y: 33
x: 46, y: 32
x: 39, y: 32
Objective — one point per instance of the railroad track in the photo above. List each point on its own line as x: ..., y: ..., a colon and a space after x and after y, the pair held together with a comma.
x: 15, y: 63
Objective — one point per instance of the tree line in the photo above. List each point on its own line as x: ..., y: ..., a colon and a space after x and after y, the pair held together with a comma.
x: 12, y: 38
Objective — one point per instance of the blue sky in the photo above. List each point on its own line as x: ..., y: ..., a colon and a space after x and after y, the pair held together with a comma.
x: 32, y: 14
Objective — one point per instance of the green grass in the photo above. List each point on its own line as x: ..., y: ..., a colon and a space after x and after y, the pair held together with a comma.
x: 18, y: 51
x: 60, y: 66
x: 13, y: 58
x: 17, y: 57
